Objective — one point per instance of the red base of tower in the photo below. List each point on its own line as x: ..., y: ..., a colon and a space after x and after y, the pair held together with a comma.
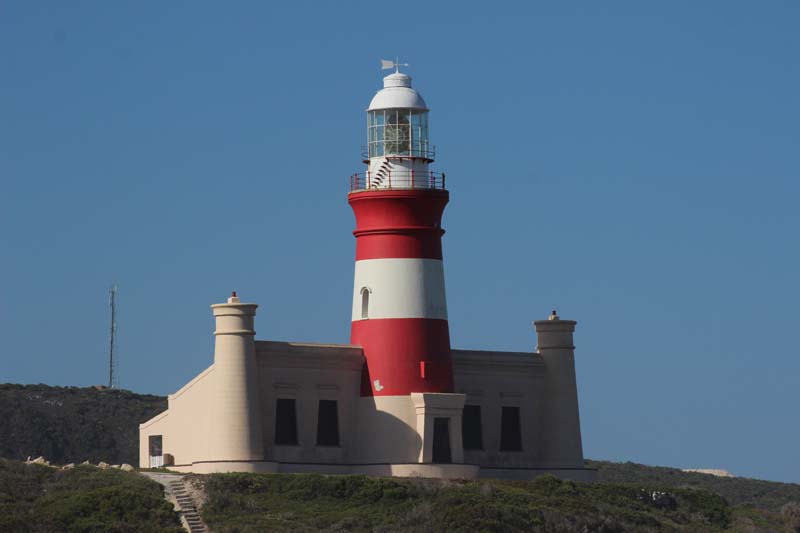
x: 404, y: 355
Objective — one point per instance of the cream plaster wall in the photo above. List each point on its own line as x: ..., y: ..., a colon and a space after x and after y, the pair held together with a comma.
x: 185, y: 425
x: 308, y: 373
x: 154, y: 426
x: 236, y: 420
x: 560, y: 435
x: 492, y: 380
x: 388, y: 431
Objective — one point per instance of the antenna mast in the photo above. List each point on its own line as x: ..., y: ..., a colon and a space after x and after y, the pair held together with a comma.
x: 112, y: 361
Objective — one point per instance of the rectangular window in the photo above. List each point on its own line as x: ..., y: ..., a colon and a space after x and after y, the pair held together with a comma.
x: 510, y: 432
x: 471, y: 429
x: 285, y: 422
x: 327, y: 423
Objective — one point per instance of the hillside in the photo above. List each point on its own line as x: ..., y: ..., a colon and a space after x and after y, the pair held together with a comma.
x: 769, y: 495
x: 35, y: 498
x: 305, y: 502
x: 72, y: 424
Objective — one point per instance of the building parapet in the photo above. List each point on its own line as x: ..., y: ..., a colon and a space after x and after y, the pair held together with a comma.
x: 494, y: 363
x: 309, y: 355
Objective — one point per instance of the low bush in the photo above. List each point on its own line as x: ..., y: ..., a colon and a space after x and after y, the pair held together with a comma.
x: 302, y: 502
x: 36, y: 498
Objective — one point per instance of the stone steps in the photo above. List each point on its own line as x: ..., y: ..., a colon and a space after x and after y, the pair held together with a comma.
x: 174, y: 487
x: 187, y: 507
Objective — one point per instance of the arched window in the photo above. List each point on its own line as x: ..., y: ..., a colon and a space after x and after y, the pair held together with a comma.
x: 365, y: 302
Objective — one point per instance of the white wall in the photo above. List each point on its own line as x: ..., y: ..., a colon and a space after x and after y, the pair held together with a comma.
x: 401, y: 288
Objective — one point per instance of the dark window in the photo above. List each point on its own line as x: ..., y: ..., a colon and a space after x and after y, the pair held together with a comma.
x: 155, y: 443
x: 510, y: 433
x: 285, y: 422
x: 441, y: 440
x: 327, y: 423
x: 471, y: 430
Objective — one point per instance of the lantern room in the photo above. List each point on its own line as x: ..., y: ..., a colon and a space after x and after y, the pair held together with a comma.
x: 398, y: 149
x: 398, y: 132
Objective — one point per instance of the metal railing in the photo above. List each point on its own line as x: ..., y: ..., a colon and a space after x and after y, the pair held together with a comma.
x: 397, y: 179
x: 429, y: 153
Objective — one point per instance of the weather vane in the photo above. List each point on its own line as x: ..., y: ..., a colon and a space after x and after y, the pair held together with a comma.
x: 388, y: 63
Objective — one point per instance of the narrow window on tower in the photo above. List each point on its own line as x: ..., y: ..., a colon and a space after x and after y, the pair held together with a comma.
x: 471, y: 429
x: 285, y: 422
x: 365, y: 302
x: 510, y: 432
x: 327, y: 423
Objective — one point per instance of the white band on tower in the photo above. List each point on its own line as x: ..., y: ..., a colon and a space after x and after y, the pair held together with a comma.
x: 399, y: 288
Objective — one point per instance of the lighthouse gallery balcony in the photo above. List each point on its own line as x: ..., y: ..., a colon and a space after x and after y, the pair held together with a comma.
x: 397, y: 179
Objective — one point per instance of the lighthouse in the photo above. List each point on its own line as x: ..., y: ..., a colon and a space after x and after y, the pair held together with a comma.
x: 399, y: 305
x: 397, y: 400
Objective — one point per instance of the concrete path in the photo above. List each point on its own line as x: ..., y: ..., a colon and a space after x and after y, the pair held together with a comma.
x: 175, y: 492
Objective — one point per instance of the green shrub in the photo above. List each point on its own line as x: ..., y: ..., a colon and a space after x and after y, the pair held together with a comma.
x: 84, y: 499
x: 302, y: 502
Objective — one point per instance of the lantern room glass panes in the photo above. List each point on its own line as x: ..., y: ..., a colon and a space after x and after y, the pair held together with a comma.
x: 398, y: 132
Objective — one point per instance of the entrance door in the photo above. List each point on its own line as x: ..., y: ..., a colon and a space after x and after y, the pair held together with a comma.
x: 441, y: 440
x: 156, y: 451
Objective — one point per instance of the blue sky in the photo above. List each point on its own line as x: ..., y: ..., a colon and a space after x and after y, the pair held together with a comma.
x: 632, y: 164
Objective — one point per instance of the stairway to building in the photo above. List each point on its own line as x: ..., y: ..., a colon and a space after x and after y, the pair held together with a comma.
x: 175, y: 492
x: 187, y: 507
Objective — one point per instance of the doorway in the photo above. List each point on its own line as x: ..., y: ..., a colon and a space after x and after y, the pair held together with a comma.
x: 441, y: 440
x: 156, y: 451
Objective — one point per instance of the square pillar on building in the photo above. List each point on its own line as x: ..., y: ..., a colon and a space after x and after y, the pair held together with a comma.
x: 434, y: 405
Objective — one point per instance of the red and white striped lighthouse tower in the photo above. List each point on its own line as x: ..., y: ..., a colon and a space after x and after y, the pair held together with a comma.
x: 399, y: 306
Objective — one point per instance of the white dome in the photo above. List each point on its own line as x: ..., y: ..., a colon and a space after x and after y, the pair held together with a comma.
x: 397, y: 94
